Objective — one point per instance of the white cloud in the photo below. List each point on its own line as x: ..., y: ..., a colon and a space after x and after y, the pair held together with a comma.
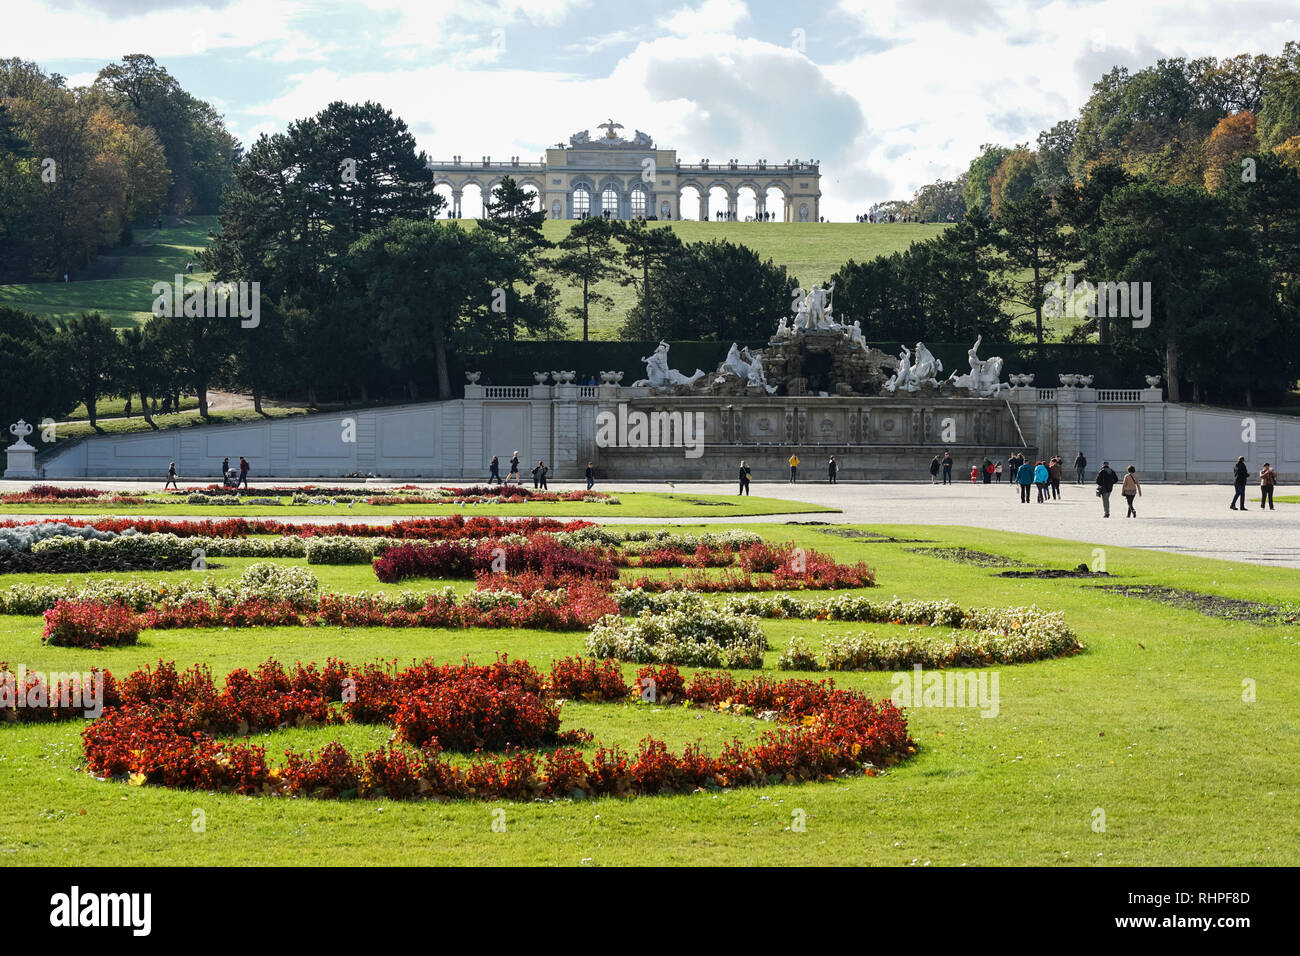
x: 712, y: 16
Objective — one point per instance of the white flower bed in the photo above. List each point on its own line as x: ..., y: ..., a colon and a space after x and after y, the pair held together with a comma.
x: 24, y: 537
x: 700, y: 636
x: 170, y: 545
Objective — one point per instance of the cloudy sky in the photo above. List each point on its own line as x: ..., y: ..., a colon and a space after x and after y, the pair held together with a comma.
x: 887, y: 94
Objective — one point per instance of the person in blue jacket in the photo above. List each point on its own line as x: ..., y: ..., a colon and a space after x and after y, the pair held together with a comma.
x: 1041, y: 477
x: 1025, y: 478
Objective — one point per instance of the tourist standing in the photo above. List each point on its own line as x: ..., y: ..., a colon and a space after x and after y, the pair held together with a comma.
x: 1131, y: 487
x: 539, y: 474
x: 832, y: 469
x: 1106, y: 481
x: 997, y: 473
x: 1080, y: 463
x: 1024, y: 478
x: 1041, y: 478
x: 744, y: 479
x: 794, y: 468
x: 974, y: 475
x: 243, y: 472
x: 171, y: 477
x: 947, y: 468
x: 988, y: 471
x: 225, y: 469
x: 1240, y: 473
x: 494, y: 470
x: 934, y: 470
x: 1054, y: 475
x: 1267, y: 479
x: 591, y: 475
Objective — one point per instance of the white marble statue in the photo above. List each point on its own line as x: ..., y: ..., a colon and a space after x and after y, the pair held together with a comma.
x: 20, y: 430
x: 734, y: 364
x: 659, y: 375
x: 856, y: 338
x: 902, y: 379
x: 783, y: 328
x: 819, y: 309
x: 925, y: 367
x: 757, y: 377
x: 985, y: 374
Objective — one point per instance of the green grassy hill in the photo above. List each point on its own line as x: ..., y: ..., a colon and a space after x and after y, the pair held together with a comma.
x: 124, y: 297
x: 812, y: 252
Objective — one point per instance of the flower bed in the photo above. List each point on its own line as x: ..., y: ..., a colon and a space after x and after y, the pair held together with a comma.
x: 26, y: 697
x: 449, y: 559
x: 697, y: 636
x: 90, y: 625
x: 161, y: 732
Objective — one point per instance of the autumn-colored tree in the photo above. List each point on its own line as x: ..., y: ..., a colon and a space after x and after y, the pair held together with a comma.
x: 1012, y: 180
x: 1289, y: 152
x: 1232, y: 138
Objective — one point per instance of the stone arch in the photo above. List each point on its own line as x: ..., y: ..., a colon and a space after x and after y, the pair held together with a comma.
x: 694, y: 206
x: 640, y: 200
x: 582, y: 199
x: 725, y: 204
x: 612, y: 197
x: 447, y: 191
x: 776, y: 199
x: 472, y: 199
x: 749, y: 200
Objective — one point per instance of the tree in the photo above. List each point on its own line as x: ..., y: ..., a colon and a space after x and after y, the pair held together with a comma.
x: 1279, y: 107
x: 1081, y: 207
x: 588, y: 257
x: 198, y: 348
x: 1204, y: 273
x: 141, y: 359
x: 940, y: 201
x: 429, y: 287
x: 1053, y: 156
x: 982, y: 168
x: 714, y: 291
x: 1032, y: 237
x: 1012, y: 180
x: 34, y: 379
x: 509, y: 215
x: 94, y: 359
x: 1232, y: 138
x: 645, y: 249
x: 259, y: 353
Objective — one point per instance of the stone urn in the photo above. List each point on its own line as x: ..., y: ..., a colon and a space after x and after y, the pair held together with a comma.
x: 473, y: 377
x: 21, y: 457
x: 1085, y: 381
x: 1068, y: 381
x: 1153, y: 381
x: 540, y: 377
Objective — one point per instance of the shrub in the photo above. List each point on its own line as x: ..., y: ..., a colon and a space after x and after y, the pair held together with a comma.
x: 693, y: 636
x: 70, y: 624
x: 584, y: 679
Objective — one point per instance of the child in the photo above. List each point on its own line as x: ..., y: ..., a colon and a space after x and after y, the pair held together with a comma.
x: 974, y: 475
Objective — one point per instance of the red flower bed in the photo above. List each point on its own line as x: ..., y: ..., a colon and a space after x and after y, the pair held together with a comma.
x: 27, y: 697
x: 89, y: 624
x: 583, y: 604
x: 449, y: 559
x: 585, y: 679
x: 703, y: 556
x: 161, y: 732
x: 450, y: 527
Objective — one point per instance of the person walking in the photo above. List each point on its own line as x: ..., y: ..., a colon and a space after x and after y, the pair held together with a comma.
x: 494, y: 470
x: 1130, y: 488
x: 1013, y: 469
x: 243, y: 473
x: 947, y: 468
x: 225, y: 468
x: 997, y: 473
x: 832, y: 469
x: 514, y: 467
x: 744, y: 479
x: 591, y: 475
x: 794, y: 468
x: 1041, y: 477
x: 1106, y: 481
x: 1080, y: 463
x: 934, y: 470
x: 1024, y: 478
x: 1054, y: 476
x: 988, y: 471
x: 974, y: 475
x: 1267, y: 479
x: 171, y: 477
x: 1240, y: 473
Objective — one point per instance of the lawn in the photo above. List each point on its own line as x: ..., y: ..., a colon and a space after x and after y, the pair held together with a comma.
x: 1148, y: 726
x: 634, y: 504
x: 124, y: 296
